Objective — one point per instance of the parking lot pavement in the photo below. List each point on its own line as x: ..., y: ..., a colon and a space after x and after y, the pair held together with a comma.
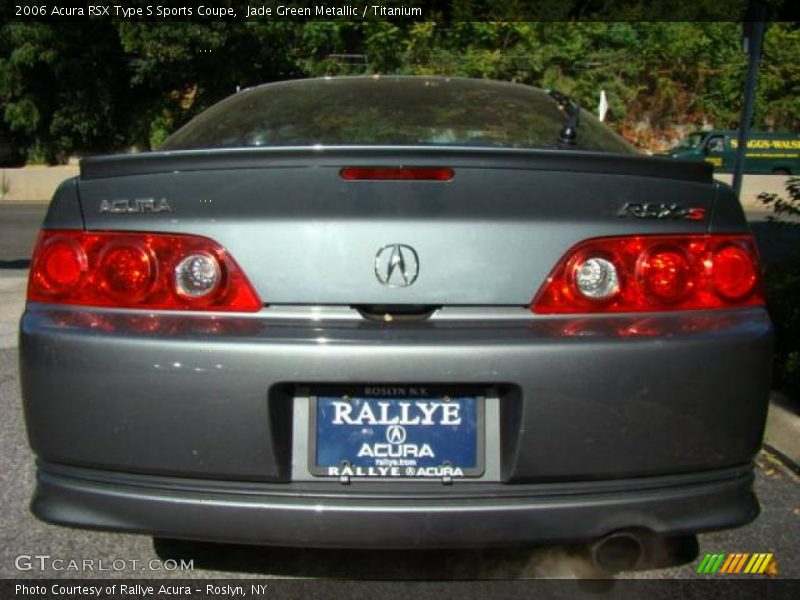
x: 776, y: 530
x: 19, y: 224
x: 12, y: 301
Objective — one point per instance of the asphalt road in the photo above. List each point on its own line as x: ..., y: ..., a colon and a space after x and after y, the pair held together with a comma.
x: 19, y: 224
x: 776, y: 530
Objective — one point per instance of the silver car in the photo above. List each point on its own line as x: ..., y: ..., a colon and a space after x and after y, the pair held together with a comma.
x: 395, y: 312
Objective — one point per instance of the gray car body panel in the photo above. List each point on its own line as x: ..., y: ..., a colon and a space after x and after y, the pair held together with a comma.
x: 180, y: 424
x: 64, y: 211
x: 685, y: 394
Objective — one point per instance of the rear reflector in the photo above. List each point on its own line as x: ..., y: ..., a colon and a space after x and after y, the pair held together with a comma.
x: 397, y: 173
x: 653, y: 273
x: 137, y: 270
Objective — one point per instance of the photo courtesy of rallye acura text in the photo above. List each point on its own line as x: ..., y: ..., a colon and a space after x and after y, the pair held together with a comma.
x: 395, y: 312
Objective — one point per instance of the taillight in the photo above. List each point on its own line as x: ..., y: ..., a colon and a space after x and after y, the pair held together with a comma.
x: 137, y: 270
x: 397, y: 173
x: 653, y: 273
x: 60, y: 265
x: 126, y: 271
x: 735, y: 272
x: 665, y: 273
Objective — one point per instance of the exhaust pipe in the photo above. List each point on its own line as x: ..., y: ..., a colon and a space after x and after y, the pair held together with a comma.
x: 617, y: 552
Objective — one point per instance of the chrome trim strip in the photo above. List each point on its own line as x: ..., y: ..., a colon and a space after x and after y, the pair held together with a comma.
x: 305, y: 312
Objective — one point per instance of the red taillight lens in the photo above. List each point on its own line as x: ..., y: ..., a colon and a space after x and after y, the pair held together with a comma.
x: 137, y: 270
x: 61, y: 266
x: 653, y: 273
x: 666, y: 274
x: 127, y: 271
x: 735, y: 274
x: 397, y: 173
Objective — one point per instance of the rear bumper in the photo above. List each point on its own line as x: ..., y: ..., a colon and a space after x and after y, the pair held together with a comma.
x: 300, y: 516
x: 187, y: 426
x: 579, y: 398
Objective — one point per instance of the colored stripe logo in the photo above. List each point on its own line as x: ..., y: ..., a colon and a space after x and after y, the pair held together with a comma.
x: 735, y: 563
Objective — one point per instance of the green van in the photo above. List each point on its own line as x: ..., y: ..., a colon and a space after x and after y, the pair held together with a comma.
x: 776, y: 153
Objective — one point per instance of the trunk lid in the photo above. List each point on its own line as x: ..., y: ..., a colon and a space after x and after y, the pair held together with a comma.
x: 303, y: 235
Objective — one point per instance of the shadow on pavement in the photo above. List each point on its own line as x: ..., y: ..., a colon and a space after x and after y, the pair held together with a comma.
x: 20, y: 263
x: 506, y: 563
x: 776, y: 242
x: 564, y: 561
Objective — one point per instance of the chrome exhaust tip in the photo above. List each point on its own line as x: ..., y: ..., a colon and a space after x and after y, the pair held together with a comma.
x: 617, y: 552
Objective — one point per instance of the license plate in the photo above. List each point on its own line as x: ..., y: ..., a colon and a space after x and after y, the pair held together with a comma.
x: 434, y: 435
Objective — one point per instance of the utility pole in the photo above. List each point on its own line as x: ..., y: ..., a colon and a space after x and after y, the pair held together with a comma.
x: 753, y: 41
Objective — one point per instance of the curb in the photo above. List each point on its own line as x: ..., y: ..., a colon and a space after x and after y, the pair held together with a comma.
x: 783, y: 428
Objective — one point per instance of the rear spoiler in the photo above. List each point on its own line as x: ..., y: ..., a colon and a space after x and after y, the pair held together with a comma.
x: 101, y: 167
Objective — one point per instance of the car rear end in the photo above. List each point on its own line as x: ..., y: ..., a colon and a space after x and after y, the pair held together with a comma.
x: 395, y: 346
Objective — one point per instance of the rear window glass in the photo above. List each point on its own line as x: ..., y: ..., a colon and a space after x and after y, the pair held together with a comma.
x: 408, y: 111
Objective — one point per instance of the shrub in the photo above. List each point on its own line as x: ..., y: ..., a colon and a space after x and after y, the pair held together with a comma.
x: 782, y: 287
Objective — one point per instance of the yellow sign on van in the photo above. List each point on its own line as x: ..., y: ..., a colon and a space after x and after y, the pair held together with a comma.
x: 777, y: 153
x: 762, y: 144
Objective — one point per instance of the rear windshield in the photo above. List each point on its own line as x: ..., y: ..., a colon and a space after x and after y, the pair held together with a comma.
x: 390, y: 111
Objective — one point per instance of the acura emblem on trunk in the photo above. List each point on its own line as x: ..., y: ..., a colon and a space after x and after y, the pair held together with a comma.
x: 396, y: 265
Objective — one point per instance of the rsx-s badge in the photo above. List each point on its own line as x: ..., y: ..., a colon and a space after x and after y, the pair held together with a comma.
x: 639, y: 210
x: 135, y: 206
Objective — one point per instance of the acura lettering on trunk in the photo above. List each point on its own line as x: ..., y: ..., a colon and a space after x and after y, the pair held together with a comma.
x: 396, y: 312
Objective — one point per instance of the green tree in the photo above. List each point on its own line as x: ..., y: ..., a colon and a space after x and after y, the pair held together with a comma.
x: 100, y: 85
x: 61, y: 94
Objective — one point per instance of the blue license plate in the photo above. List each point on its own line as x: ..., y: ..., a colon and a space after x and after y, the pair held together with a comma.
x: 435, y: 436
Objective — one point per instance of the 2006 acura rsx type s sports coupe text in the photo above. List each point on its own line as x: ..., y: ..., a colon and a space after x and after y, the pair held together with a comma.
x: 395, y: 312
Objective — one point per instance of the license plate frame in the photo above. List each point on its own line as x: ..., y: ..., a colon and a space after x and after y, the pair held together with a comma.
x: 363, y: 470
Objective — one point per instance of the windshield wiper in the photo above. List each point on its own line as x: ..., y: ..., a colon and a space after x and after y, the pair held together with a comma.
x: 568, y: 136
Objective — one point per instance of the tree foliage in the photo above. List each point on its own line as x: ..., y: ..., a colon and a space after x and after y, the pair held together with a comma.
x: 782, y: 284
x: 97, y: 86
